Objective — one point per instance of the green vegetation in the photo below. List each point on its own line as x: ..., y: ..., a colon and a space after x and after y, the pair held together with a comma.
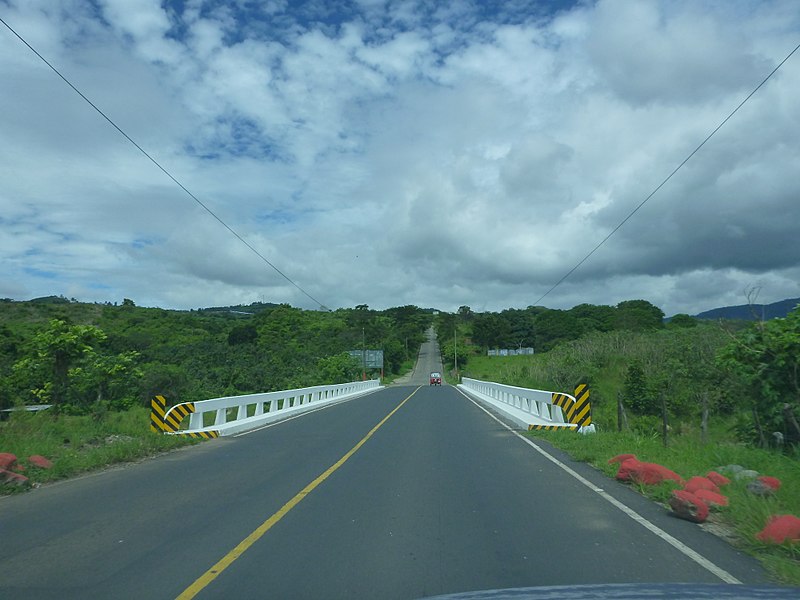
x: 84, y: 358
x: 692, y: 395
x: 77, y: 444
x: 544, y: 328
x: 99, y: 366
x: 695, y: 395
x: 688, y: 456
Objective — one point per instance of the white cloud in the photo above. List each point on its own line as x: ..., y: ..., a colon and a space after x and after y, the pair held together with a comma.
x: 400, y: 153
x: 671, y: 53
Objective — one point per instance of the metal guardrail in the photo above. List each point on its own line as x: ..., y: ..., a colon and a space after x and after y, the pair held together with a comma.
x: 234, y: 414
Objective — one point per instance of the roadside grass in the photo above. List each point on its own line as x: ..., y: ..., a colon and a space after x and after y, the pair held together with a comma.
x: 78, y: 444
x: 686, y: 454
x: 406, y: 368
x: 747, y: 513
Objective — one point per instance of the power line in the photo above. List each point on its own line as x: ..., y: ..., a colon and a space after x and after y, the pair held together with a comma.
x: 675, y: 170
x: 163, y: 170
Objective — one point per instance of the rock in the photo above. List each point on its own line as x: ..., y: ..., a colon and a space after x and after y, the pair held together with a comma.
x: 11, y: 478
x: 700, y: 483
x: 620, y: 458
x: 732, y: 469
x: 653, y: 473
x: 688, y: 506
x: 40, y: 461
x: 711, y: 498
x: 772, y: 482
x: 7, y: 460
x: 632, y: 469
x: 745, y: 474
x: 717, y: 478
x: 759, y: 488
x: 626, y: 466
x: 780, y: 529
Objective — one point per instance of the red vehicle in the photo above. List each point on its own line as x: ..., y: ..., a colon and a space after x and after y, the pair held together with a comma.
x: 436, y: 378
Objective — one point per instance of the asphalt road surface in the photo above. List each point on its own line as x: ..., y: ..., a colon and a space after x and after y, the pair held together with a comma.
x: 409, y: 492
x: 428, y: 361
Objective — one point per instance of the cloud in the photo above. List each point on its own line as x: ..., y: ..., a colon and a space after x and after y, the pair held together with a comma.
x: 671, y: 53
x: 400, y: 152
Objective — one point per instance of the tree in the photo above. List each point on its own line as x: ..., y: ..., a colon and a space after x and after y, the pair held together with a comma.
x: 55, y: 350
x: 339, y: 368
x: 242, y: 334
x: 683, y: 320
x: 554, y: 326
x: 109, y: 379
x: 168, y: 380
x: 594, y: 318
x: 766, y: 358
x: 465, y: 313
x: 491, y: 330
x: 636, y: 393
x: 638, y: 315
x: 522, y: 331
x: 8, y: 352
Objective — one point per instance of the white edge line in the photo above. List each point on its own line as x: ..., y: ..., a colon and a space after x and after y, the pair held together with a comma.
x: 677, y: 544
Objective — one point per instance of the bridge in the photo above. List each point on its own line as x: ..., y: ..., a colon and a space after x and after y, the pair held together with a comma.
x: 404, y: 491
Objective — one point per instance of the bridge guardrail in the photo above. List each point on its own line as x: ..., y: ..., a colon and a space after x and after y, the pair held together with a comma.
x: 535, y: 409
x: 251, y: 410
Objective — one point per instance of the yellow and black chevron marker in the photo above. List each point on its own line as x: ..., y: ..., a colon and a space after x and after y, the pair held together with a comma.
x: 582, y: 410
x: 161, y: 423
x: 157, y: 412
x: 203, y: 435
x: 176, y: 414
x: 578, y: 411
x: 550, y: 427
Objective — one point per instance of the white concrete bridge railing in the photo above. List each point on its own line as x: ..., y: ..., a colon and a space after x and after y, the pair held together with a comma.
x: 529, y: 408
x: 235, y: 414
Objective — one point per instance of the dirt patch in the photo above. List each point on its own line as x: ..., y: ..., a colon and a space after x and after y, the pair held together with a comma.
x: 717, y: 526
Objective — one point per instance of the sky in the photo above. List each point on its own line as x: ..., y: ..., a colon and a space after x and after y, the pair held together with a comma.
x: 388, y: 152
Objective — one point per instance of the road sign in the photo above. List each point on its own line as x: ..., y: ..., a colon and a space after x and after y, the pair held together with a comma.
x: 369, y: 359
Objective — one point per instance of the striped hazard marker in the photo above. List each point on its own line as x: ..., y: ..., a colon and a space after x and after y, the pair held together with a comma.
x: 164, y: 421
x: 158, y: 410
x: 576, y: 412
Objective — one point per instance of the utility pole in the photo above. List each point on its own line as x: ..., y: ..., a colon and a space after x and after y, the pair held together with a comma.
x: 455, y: 351
x: 363, y: 356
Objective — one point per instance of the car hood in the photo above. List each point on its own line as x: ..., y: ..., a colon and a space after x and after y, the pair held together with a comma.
x: 633, y: 591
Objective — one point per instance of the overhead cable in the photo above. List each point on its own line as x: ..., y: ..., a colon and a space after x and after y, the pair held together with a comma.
x: 660, y: 185
x: 163, y: 170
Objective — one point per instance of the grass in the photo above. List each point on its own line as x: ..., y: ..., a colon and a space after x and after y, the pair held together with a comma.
x: 405, y: 368
x: 686, y: 454
x: 78, y: 444
x: 747, y: 513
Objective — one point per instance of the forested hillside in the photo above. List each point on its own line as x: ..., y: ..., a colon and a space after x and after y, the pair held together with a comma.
x: 685, y: 375
x: 86, y: 357
x: 91, y: 357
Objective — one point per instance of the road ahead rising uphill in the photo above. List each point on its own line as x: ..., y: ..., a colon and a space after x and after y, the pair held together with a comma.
x: 439, y: 498
x: 428, y: 361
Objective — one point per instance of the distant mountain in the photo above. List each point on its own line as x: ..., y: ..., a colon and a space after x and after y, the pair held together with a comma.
x: 751, y: 312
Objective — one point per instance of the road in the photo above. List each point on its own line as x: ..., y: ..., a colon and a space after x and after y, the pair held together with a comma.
x: 409, y: 492
x: 428, y: 361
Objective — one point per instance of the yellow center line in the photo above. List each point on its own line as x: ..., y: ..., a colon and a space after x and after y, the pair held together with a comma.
x: 201, y: 582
